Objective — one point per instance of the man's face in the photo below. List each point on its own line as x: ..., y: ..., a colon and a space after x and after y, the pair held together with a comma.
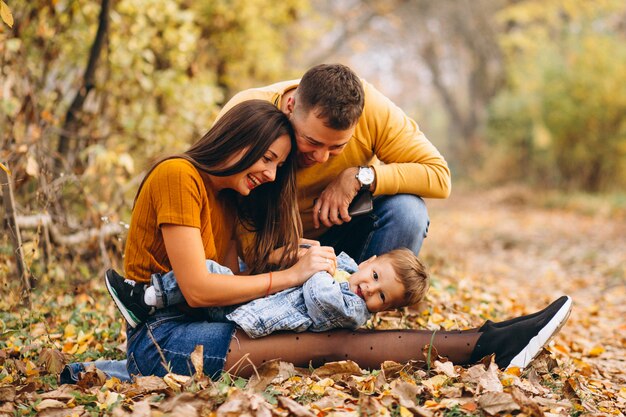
x: 316, y: 142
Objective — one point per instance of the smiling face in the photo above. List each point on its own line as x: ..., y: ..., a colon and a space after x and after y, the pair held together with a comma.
x: 316, y: 142
x: 376, y: 283
x: 262, y: 171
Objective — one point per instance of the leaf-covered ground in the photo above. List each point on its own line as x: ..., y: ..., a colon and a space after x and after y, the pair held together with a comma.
x: 492, y: 255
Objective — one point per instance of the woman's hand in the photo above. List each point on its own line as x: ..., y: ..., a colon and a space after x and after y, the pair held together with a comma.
x: 316, y: 259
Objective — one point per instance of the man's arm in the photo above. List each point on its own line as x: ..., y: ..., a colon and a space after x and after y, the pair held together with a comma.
x: 412, y: 164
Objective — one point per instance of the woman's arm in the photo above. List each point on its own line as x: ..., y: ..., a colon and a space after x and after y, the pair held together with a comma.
x: 203, y: 289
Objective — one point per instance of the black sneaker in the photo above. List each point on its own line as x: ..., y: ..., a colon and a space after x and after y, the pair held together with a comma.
x: 519, y: 341
x: 551, y: 309
x: 128, y: 297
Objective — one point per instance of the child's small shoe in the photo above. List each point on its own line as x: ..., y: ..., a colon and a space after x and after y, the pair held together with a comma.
x: 129, y: 298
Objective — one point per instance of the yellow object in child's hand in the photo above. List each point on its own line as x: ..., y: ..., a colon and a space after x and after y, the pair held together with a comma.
x: 341, y: 276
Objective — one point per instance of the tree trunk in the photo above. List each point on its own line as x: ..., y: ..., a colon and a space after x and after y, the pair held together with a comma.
x: 72, y: 121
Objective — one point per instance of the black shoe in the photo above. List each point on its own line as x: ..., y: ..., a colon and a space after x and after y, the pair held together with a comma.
x: 519, y: 341
x: 551, y: 309
x: 128, y: 297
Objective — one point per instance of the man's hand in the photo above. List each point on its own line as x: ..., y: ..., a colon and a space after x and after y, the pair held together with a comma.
x: 331, y: 208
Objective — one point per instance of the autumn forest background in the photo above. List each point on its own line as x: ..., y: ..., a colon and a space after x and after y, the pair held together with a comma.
x: 526, y: 99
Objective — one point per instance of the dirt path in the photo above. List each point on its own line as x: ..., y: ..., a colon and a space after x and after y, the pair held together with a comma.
x: 504, y: 248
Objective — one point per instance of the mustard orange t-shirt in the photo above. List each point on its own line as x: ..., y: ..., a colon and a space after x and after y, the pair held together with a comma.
x: 175, y: 193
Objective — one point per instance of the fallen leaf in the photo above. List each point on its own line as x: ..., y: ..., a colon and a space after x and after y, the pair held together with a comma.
x: 274, y: 371
x: 446, y: 368
x: 52, y: 360
x: 497, y: 402
x: 407, y: 394
x: 596, y: 351
x: 334, y: 369
x: 294, y: 408
x: 49, y: 403
x: 7, y: 393
x: 197, y: 359
x: 244, y: 403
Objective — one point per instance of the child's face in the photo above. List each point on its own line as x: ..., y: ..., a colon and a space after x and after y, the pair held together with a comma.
x: 377, y: 284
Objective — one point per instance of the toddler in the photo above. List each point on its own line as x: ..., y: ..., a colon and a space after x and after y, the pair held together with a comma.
x: 345, y: 300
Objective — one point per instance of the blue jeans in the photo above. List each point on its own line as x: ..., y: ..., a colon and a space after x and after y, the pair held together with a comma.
x: 165, y: 342
x: 397, y: 221
x: 170, y: 333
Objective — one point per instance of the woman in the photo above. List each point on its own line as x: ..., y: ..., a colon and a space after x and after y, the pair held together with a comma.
x: 185, y: 213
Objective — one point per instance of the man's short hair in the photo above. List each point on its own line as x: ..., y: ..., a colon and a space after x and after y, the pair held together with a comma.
x: 411, y: 273
x: 334, y: 92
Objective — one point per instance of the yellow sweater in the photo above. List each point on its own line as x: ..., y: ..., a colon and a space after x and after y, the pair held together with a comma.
x: 174, y: 193
x: 384, y: 133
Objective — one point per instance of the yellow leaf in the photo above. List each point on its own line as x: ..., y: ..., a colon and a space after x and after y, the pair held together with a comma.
x: 70, y: 329
x: 320, y: 387
x: 596, y: 351
x: 31, y: 369
x: 430, y: 403
x: 4, y: 168
x: 404, y: 412
x: 6, y: 14
x: 513, y: 370
x: 111, y: 383
x: 82, y: 348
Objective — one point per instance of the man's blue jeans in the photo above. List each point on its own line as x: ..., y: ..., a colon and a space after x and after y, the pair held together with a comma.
x: 397, y: 221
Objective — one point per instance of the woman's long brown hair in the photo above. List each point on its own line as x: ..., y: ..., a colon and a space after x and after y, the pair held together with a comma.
x: 271, y: 210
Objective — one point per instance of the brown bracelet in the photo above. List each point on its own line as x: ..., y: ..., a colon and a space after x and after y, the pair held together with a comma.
x: 269, y: 286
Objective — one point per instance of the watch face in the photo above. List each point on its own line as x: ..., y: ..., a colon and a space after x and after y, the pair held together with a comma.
x: 366, y: 176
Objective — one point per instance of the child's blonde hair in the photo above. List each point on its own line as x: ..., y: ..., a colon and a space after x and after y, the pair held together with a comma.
x: 411, y: 273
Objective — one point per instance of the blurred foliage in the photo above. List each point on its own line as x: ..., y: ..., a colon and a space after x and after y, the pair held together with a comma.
x: 165, y: 69
x: 560, y: 121
x: 168, y: 66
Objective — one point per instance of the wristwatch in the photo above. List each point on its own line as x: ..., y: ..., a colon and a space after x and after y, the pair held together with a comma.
x: 365, y: 176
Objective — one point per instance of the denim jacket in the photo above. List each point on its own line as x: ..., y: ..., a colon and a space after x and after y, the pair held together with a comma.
x: 320, y: 304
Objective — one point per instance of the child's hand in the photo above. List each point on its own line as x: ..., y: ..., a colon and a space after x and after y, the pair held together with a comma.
x: 316, y: 259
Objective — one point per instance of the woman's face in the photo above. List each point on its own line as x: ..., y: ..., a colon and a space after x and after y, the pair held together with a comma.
x: 263, y: 170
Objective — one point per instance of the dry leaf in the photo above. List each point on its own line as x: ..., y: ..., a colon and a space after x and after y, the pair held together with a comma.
x: 7, y: 393
x: 446, y: 368
x: 49, y: 403
x: 64, y: 392
x: 406, y: 393
x: 294, y: 408
x: 335, y: 369
x: 92, y: 377
x: 244, y: 404
x: 197, y: 359
x: 52, y: 360
x: 275, y: 371
x: 486, y: 380
x: 497, y: 402
x: 5, y: 14
x: 528, y: 406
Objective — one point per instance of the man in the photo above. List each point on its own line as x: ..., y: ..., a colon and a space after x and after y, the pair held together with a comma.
x: 351, y: 138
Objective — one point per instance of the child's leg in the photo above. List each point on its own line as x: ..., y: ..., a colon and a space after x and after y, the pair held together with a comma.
x: 130, y: 296
x: 166, y: 287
